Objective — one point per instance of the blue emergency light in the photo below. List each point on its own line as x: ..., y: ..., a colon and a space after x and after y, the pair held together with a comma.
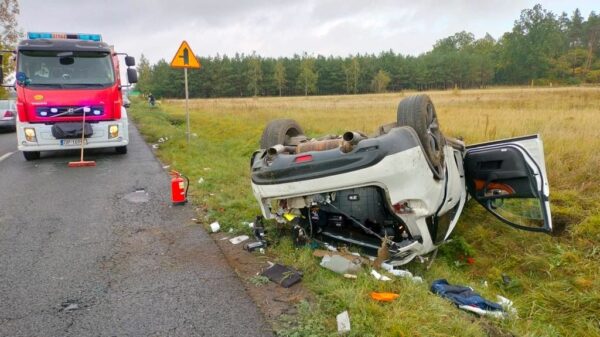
x: 78, y: 36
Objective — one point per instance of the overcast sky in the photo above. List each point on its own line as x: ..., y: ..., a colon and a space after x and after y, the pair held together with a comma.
x: 279, y: 28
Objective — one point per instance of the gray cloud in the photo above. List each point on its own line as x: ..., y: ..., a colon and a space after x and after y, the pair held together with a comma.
x: 277, y: 28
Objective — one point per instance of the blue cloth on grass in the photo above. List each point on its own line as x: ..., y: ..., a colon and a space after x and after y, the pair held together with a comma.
x: 460, y: 295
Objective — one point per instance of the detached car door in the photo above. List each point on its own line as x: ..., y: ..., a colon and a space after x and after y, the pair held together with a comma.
x: 508, y: 177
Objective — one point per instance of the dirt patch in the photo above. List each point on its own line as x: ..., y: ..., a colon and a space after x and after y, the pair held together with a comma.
x: 272, y: 299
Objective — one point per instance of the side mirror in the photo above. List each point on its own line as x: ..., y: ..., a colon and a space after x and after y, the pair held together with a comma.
x: 132, y: 75
x: 129, y: 61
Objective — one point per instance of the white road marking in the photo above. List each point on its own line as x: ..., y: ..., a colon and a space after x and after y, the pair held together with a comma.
x: 6, y: 155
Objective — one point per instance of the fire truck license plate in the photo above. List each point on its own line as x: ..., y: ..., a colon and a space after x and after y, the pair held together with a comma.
x: 72, y: 142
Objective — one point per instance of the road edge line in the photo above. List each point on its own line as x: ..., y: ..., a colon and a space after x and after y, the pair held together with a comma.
x: 6, y: 155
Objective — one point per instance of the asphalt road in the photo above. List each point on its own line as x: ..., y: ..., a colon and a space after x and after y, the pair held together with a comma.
x: 83, y: 254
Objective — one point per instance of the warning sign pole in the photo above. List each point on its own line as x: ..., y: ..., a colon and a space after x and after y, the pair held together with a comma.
x: 187, y: 110
x: 185, y: 58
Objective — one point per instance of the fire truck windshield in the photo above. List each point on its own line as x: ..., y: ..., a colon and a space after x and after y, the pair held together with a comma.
x: 65, y: 69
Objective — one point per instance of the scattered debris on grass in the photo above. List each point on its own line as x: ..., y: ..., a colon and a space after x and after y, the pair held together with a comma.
x: 383, y: 297
x: 401, y: 273
x: 341, y: 264
x: 215, y: 227
x: 282, y: 275
x: 378, y: 276
x: 254, y: 245
x: 343, y: 322
x: 239, y: 239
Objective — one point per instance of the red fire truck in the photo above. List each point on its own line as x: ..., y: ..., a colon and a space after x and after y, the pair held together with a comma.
x: 62, y: 78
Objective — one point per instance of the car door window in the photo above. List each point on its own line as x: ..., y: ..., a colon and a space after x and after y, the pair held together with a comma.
x: 509, y: 179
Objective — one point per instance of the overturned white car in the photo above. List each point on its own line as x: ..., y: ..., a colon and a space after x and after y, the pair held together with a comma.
x: 402, y: 188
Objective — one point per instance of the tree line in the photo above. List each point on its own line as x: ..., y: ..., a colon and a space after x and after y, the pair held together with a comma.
x: 541, y: 49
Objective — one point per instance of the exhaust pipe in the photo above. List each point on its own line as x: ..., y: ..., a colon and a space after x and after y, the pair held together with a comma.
x: 350, y: 140
x: 277, y: 149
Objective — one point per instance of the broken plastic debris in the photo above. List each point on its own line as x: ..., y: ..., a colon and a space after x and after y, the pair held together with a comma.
x: 330, y: 247
x: 379, y: 276
x: 206, y: 169
x: 249, y: 224
x: 282, y: 275
x: 155, y: 146
x: 239, y: 239
x: 166, y: 167
x: 201, y: 180
x: 340, y: 264
x: 252, y: 246
x: 401, y: 273
x: 215, y: 227
x: 343, y: 322
x: 383, y: 297
x: 350, y: 276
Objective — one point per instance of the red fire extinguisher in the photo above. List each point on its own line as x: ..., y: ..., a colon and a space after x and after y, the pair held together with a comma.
x: 179, y: 188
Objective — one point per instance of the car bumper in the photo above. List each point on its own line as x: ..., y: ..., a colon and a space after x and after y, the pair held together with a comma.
x: 46, y: 142
x: 7, y: 123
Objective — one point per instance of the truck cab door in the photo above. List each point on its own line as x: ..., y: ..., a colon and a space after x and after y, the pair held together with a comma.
x: 508, y: 178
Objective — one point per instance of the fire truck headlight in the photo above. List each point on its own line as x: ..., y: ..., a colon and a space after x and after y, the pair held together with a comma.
x: 30, y: 135
x: 113, y: 131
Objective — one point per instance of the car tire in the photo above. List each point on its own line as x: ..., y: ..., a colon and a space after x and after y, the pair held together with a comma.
x: 31, y: 155
x: 279, y: 131
x: 419, y: 113
x: 121, y: 149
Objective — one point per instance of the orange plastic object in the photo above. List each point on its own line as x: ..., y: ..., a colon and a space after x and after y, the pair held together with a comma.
x: 384, y: 297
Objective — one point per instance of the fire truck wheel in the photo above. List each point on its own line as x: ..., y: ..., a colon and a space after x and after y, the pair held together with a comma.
x: 31, y: 155
x: 121, y: 149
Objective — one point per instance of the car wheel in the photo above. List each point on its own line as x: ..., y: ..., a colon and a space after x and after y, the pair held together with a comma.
x: 121, y: 149
x: 280, y: 131
x: 419, y: 113
x: 31, y: 155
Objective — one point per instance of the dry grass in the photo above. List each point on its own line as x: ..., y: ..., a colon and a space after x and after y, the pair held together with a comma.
x: 555, y: 284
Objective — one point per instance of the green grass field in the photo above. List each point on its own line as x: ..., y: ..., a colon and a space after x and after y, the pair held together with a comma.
x: 554, y: 279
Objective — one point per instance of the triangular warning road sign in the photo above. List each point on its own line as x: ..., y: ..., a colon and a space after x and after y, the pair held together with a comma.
x: 185, y: 58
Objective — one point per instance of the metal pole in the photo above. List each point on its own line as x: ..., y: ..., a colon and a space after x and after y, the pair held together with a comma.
x: 187, y: 111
